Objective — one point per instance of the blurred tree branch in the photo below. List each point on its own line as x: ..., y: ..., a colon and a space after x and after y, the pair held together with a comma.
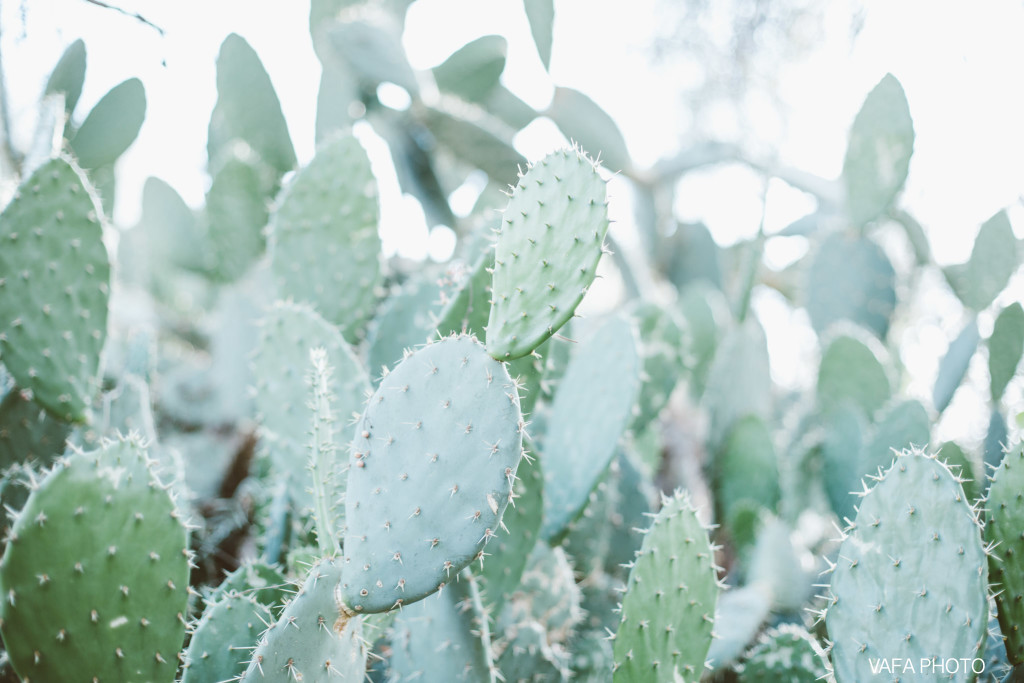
x: 127, y: 13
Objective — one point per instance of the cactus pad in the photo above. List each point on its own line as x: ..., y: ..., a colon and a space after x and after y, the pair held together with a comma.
x: 670, y: 598
x: 27, y: 432
x: 219, y: 648
x: 325, y: 247
x: 592, y: 406
x: 911, y: 578
x: 1005, y: 529
x: 54, y: 287
x: 443, y: 638
x: 95, y: 579
x: 312, y: 641
x: 430, y: 473
x: 551, y: 239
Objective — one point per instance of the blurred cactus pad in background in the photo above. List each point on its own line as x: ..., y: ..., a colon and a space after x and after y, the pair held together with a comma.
x: 242, y: 441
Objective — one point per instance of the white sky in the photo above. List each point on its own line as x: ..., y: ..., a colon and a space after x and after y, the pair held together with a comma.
x: 959, y: 64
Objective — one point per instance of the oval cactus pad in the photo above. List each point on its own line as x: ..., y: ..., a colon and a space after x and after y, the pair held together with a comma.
x: 431, y: 471
x: 551, y: 238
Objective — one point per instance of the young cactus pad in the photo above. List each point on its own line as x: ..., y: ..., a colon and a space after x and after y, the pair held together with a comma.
x: 54, y: 287
x: 670, y: 598
x: 911, y: 578
x: 95, y: 578
x: 430, y: 473
x: 551, y: 238
x: 1005, y: 530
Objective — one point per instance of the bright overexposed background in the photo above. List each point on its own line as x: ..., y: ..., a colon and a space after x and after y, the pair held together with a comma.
x: 959, y: 64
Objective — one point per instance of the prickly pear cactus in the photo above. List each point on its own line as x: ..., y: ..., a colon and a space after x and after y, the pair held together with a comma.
x: 454, y: 618
x: 95, y: 577
x: 599, y: 390
x: 324, y: 243
x: 313, y: 640
x: 667, y: 611
x: 431, y: 470
x: 911, y: 578
x: 552, y: 237
x: 54, y: 287
x: 218, y: 649
x: 1004, y: 529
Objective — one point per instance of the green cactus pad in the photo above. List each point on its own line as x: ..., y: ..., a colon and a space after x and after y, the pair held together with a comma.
x: 551, y: 239
x: 95, y: 579
x: 247, y: 108
x: 593, y: 405
x: 472, y: 71
x: 507, y: 555
x: 324, y: 243
x: 312, y: 641
x: 221, y: 642
x: 705, y: 311
x: 1004, y: 529
x: 851, y: 279
x: 288, y: 332
x: 27, y: 432
x: 788, y: 654
x: 878, y: 154
x: 430, y: 473
x: 403, y: 321
x: 739, y: 380
x: 993, y: 261
x: 911, y: 578
x: 851, y: 373
x: 954, y: 364
x: 236, y: 215
x: 739, y: 615
x: 1005, y: 348
x: 54, y: 287
x: 746, y: 467
x: 443, y: 638
x: 670, y: 598
x: 68, y: 75
x: 112, y: 125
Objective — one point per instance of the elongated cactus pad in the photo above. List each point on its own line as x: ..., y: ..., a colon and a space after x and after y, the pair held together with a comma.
x: 1005, y: 530
x: 592, y: 406
x: 670, y: 598
x: 551, y: 239
x: 312, y: 641
x: 911, y: 578
x: 324, y: 243
x: 430, y: 473
x: 54, y: 287
x: 95, y: 579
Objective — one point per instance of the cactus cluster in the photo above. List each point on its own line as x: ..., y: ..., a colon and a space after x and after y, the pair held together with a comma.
x: 251, y: 446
